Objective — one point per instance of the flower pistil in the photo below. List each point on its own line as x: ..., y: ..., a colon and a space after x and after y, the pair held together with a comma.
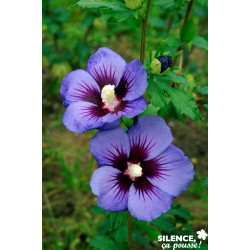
x: 109, y: 98
x: 133, y: 171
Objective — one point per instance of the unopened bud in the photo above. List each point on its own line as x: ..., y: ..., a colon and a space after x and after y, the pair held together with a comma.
x: 134, y: 4
x: 161, y: 64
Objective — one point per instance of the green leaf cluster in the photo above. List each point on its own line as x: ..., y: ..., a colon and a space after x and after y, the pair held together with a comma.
x: 157, y: 95
x: 179, y: 211
x: 183, y: 103
x: 112, y: 11
x: 202, y: 90
x: 162, y: 94
x: 171, y: 76
x: 165, y: 223
x: 151, y: 231
x: 103, y: 242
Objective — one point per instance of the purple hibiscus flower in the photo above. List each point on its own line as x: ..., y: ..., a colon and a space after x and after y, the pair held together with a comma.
x: 139, y: 170
x: 107, y: 90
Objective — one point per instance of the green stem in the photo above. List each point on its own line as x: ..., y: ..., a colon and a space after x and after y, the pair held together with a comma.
x: 130, y: 224
x: 144, y: 31
x: 187, y: 16
x: 188, y: 12
x: 143, y: 39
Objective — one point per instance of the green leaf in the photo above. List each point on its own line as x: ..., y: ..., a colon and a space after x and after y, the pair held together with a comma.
x: 112, y: 10
x: 160, y: 50
x: 128, y: 122
x: 93, y: 131
x: 139, y: 237
x: 157, y: 95
x: 164, y: 4
x: 183, y: 103
x: 150, y: 54
x: 176, y: 53
x: 201, y: 90
x: 99, y: 3
x: 147, y: 65
x: 188, y: 31
x: 200, y: 42
x: 171, y: 76
x: 151, y: 110
x: 205, y: 182
x: 165, y: 223
x: 175, y: 68
x: 120, y: 234
x: 180, y: 211
x: 118, y: 218
x: 115, y: 15
x: 151, y: 231
x: 103, y: 243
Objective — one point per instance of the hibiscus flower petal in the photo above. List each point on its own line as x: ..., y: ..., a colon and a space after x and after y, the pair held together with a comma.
x: 106, y: 67
x: 112, y: 125
x: 146, y: 202
x: 112, y: 187
x: 133, y: 82
x: 171, y: 171
x: 79, y: 85
x: 149, y: 137
x: 82, y: 116
x: 128, y: 109
x: 111, y: 148
x: 132, y: 108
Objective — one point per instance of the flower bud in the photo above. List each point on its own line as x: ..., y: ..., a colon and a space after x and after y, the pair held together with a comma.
x: 134, y: 4
x: 161, y: 65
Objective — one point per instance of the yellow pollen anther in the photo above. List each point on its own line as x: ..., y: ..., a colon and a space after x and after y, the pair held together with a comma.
x: 108, y: 95
x: 133, y: 170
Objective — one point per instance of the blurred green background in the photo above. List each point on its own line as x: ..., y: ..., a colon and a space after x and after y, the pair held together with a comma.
x: 70, y: 35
